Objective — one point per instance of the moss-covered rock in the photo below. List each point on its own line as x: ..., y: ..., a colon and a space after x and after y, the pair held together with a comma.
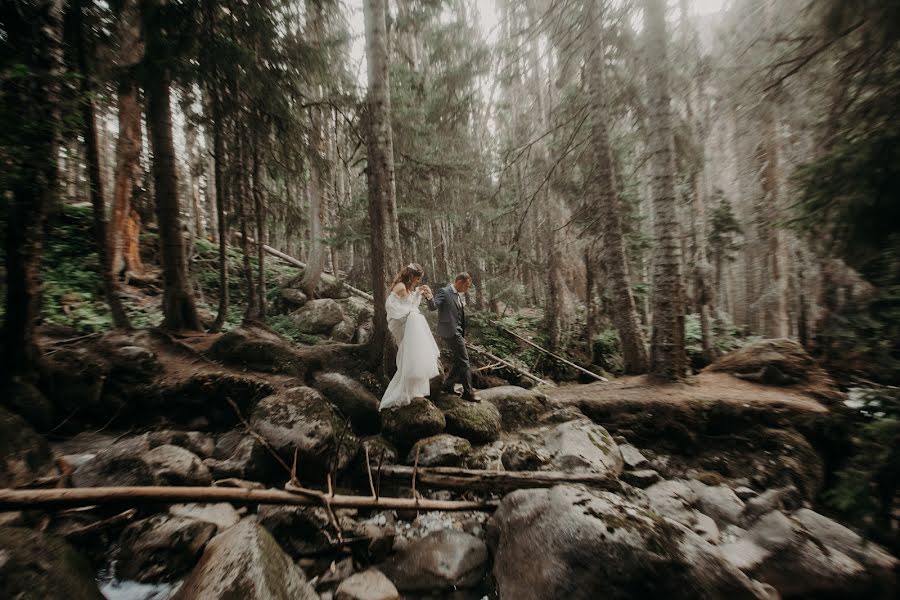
x: 352, y: 399
x: 518, y: 407
x: 478, y: 422
x: 404, y: 425
x: 36, y: 565
x: 24, y: 454
x: 161, y: 548
x: 258, y: 350
x: 442, y: 450
x: 318, y: 316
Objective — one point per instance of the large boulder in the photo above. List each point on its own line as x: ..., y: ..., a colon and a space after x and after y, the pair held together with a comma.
x: 258, y: 349
x: 24, y: 455
x: 302, y: 419
x: 442, y: 450
x: 24, y: 399
x: 36, y: 565
x: 132, y: 462
x: 582, y: 445
x: 161, y: 548
x: 73, y: 379
x: 197, y: 442
x: 518, y: 407
x: 478, y: 422
x: 371, y: 584
x: 808, y: 555
x: 444, y: 560
x: 317, y: 316
x: 352, y: 399
x: 222, y: 515
x: 676, y: 500
x: 301, y: 531
x: 245, y: 562
x: 595, y: 544
x: 344, y: 331
x: 247, y: 459
x: 404, y: 425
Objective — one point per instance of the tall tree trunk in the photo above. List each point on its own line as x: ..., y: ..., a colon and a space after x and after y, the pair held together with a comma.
x: 590, y: 324
x: 385, y: 236
x: 95, y: 178
x: 242, y: 188
x: 603, y: 189
x: 259, y: 213
x: 219, y: 173
x: 125, y: 225
x: 179, y: 309
x: 195, y: 168
x: 667, y: 355
x: 35, y: 30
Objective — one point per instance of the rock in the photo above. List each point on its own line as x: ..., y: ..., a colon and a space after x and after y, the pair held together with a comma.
x: 173, y: 465
x: 676, y: 500
x: 810, y: 556
x: 352, y: 399
x: 301, y: 418
x: 197, y: 442
x: 73, y: 379
x: 595, y: 544
x: 371, y: 584
x: 337, y: 572
x: 562, y: 415
x: 222, y: 514
x: 27, y: 401
x: 134, y: 363
x: 478, y: 422
x: 24, y: 455
x: 640, y: 479
x: 161, y: 548
x: 719, y: 502
x: 578, y: 446
x: 293, y: 297
x: 122, y: 464
x: 404, y: 425
x: 632, y: 457
x: 258, y: 349
x: 442, y: 450
x: 518, y: 407
x: 523, y: 456
x: 785, y: 498
x: 344, y: 331
x: 249, y: 460
x: 376, y: 446
x: 332, y: 287
x: 301, y: 530
x: 443, y: 560
x: 745, y: 493
x: 245, y: 562
x: 36, y: 565
x: 488, y: 457
x: 317, y: 316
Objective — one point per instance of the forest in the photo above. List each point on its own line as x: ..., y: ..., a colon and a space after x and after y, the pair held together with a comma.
x: 680, y: 221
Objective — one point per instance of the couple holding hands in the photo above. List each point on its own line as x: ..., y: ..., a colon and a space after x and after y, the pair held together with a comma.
x: 417, y: 352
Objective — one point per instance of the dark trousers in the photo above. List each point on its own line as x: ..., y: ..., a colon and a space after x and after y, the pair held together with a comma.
x: 455, y: 352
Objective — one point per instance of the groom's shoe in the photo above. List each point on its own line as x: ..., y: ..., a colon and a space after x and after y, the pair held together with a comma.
x: 471, y: 396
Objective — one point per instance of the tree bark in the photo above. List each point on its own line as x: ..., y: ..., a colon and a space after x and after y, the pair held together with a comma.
x: 667, y: 355
x: 33, y: 29
x: 385, y: 236
x: 179, y: 309
x: 240, y: 170
x: 259, y: 213
x: 124, y: 229
x: 95, y: 178
x: 603, y: 189
x: 218, y: 134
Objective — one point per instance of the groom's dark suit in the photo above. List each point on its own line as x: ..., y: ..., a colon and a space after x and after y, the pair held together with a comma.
x: 451, y: 329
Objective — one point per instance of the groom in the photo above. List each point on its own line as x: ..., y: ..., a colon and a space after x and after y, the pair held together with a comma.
x: 451, y: 306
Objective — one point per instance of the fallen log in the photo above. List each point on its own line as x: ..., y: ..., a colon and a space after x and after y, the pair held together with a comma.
x: 508, y: 364
x: 556, y: 356
x: 68, y: 497
x: 495, y: 481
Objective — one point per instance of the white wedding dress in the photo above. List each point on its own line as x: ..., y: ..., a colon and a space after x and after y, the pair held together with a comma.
x: 417, y: 352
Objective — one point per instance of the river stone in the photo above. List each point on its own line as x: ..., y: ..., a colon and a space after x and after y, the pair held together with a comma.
x: 371, y: 584
x: 249, y: 459
x: 302, y: 530
x: 580, y: 544
x: 222, y: 514
x: 718, y: 501
x: 643, y: 478
x: 582, y: 446
x: 632, y: 456
x: 404, y: 425
x: 173, y: 465
x: 40, y: 566
x: 379, y: 450
x: 518, y: 407
x: 522, y: 455
x: 442, y: 450
x: 478, y: 422
x: 161, y: 548
x: 317, y: 316
x: 301, y: 418
x: 24, y: 454
x: 809, y: 556
x: 245, y: 562
x: 197, y: 442
x: 122, y: 464
x: 444, y: 560
x: 677, y: 500
x: 352, y: 399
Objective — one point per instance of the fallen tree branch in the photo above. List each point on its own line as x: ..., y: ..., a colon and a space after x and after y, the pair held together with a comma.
x: 69, y: 497
x: 496, y: 481
x: 556, y: 356
x: 508, y: 364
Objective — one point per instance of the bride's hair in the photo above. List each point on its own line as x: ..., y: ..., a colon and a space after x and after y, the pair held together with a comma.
x: 407, y: 274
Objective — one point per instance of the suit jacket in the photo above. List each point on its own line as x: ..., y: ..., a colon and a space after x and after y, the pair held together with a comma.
x: 451, y: 314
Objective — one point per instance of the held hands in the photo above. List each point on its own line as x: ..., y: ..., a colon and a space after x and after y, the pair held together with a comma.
x: 425, y: 291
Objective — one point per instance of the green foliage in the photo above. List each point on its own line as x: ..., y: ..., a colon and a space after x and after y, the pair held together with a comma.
x: 607, y: 350
x: 868, y: 483
x: 283, y: 325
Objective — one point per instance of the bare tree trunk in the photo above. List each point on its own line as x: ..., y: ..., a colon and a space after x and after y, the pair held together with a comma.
x: 124, y: 221
x: 179, y: 309
x: 385, y: 236
x: 95, y: 179
x: 33, y: 29
x: 242, y: 188
x: 667, y: 355
x: 218, y: 170
x: 603, y: 189
x: 260, y: 218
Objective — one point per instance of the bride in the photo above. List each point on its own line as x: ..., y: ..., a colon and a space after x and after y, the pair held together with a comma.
x: 417, y: 352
